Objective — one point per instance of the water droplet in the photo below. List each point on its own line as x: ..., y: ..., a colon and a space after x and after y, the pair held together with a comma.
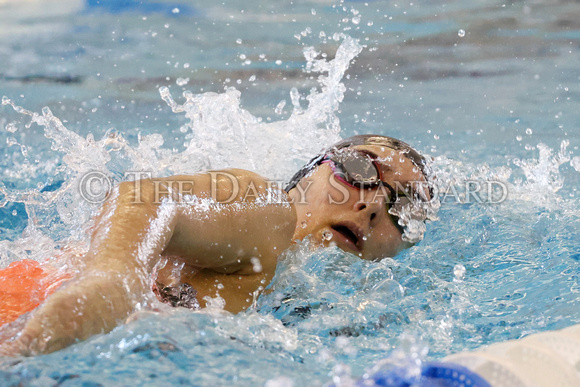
x: 175, y: 10
x: 356, y: 20
x: 313, y: 11
x: 327, y: 235
x: 461, y: 33
x: 239, y: 41
x: 575, y: 163
x: 11, y: 127
x: 243, y: 56
x: 252, y: 78
x: 519, y: 138
x: 304, y: 224
x: 309, y: 214
x: 459, y: 272
x: 364, y: 238
x: 182, y: 81
x: 529, y: 131
x: 280, y: 107
x: 14, y: 213
x: 256, y: 265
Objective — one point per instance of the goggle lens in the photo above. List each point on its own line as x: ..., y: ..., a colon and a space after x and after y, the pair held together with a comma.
x: 356, y: 168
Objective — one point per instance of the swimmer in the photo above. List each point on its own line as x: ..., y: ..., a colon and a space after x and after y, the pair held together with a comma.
x: 220, y: 233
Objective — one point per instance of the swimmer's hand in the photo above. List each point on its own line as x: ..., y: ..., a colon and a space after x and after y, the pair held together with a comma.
x: 80, y: 310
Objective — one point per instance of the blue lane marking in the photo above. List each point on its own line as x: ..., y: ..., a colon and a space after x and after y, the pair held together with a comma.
x: 433, y: 374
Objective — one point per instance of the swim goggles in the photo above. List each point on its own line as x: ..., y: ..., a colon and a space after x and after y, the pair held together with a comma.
x: 359, y: 169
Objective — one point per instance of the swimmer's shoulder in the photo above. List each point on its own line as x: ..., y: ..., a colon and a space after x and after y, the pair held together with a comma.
x: 245, y: 185
x: 225, y: 186
x: 242, y: 176
x: 249, y: 180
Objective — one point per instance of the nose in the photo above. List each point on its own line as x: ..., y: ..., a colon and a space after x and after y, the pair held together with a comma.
x: 372, y: 209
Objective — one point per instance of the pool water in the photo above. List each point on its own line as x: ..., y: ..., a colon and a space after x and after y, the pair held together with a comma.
x: 489, y: 89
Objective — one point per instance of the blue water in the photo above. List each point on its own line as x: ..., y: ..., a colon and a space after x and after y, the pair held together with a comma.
x: 477, y: 85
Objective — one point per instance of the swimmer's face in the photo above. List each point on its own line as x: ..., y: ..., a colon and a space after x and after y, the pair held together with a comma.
x: 332, y: 212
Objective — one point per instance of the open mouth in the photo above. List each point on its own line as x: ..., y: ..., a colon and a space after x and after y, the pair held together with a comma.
x: 348, y: 234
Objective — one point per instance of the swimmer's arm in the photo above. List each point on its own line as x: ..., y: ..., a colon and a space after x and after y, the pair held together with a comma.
x: 251, y: 221
x: 132, y: 232
x: 128, y: 237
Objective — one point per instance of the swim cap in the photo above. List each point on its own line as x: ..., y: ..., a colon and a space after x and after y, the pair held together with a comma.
x: 363, y: 139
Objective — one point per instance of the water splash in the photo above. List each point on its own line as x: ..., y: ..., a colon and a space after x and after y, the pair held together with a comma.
x: 218, y: 134
x: 478, y: 183
x: 545, y: 172
x: 62, y: 212
x: 221, y: 134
